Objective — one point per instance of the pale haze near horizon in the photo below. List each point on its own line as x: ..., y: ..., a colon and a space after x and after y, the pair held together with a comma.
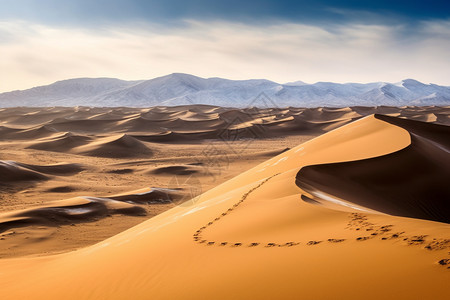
x: 34, y: 52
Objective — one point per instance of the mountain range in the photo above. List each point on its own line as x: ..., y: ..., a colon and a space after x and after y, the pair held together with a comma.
x: 184, y: 89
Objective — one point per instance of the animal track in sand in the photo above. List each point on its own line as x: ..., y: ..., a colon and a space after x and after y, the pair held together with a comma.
x: 438, y: 244
x: 358, y: 222
x: 311, y: 243
x: 445, y: 262
x: 197, y: 236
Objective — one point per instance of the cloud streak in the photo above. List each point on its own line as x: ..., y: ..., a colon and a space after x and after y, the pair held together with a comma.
x: 88, y: 12
x: 33, y: 54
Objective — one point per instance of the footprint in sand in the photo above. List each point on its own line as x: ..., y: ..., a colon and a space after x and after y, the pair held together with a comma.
x: 445, y: 262
x: 336, y: 240
x: 415, y: 240
x: 311, y: 243
x: 438, y: 244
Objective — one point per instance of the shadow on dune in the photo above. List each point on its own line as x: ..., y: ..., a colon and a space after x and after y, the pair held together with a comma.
x: 412, y: 182
x: 65, y: 212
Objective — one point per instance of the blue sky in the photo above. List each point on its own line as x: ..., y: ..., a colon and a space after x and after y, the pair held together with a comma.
x: 42, y: 41
x: 81, y: 12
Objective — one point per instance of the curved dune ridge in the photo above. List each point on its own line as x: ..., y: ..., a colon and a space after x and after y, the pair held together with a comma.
x: 412, y: 182
x: 80, y: 209
x: 253, y: 237
x: 149, y: 195
x: 64, y: 142
x: 115, y: 146
x: 55, y: 169
x: 16, y: 172
x: 40, y: 131
x: 86, y: 208
x: 10, y: 171
x: 177, y: 170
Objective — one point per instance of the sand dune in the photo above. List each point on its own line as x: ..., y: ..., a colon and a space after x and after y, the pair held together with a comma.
x: 177, y: 170
x: 65, y: 212
x: 87, y: 209
x: 64, y: 142
x: 364, y: 229
x: 56, y: 169
x: 178, y: 136
x: 40, y: 131
x: 149, y: 196
x: 115, y: 146
x: 82, y: 126
x: 11, y: 172
x: 7, y: 132
x: 412, y: 182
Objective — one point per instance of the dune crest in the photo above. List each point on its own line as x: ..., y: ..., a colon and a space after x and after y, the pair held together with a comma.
x: 116, y: 146
x: 11, y: 171
x: 412, y: 182
x: 65, y: 212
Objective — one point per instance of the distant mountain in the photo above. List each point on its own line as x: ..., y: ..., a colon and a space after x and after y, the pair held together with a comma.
x: 184, y: 89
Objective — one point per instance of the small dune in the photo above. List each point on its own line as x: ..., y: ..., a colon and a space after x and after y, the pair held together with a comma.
x: 65, y: 212
x: 38, y: 132
x: 149, y: 196
x: 114, y: 147
x: 65, y: 142
x: 12, y: 172
x: 176, y: 170
x: 56, y: 169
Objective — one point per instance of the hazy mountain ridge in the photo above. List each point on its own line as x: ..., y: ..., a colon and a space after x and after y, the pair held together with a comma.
x: 183, y: 89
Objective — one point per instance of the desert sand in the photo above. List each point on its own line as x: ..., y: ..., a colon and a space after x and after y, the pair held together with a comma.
x: 288, y: 203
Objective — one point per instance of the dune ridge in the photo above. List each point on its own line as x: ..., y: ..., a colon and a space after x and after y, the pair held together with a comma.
x: 65, y: 212
x: 10, y: 171
x: 411, y: 182
x: 115, y: 146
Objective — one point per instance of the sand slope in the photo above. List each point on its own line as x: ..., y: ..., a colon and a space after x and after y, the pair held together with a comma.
x: 11, y: 171
x: 412, y: 182
x: 115, y: 146
x: 253, y: 237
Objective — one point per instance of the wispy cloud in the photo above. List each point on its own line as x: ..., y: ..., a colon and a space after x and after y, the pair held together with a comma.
x: 33, y: 54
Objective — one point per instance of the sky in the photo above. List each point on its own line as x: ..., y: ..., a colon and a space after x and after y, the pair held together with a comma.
x: 42, y: 41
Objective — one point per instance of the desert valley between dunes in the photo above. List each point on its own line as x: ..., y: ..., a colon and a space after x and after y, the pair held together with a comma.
x: 206, y: 202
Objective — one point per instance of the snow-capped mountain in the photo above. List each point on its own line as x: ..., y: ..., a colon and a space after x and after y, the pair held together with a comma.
x: 184, y: 89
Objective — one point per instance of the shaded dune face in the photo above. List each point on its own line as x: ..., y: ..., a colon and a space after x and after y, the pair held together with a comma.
x: 81, y: 209
x: 16, y: 172
x: 87, y: 209
x: 412, y: 182
x: 12, y: 172
x: 176, y: 170
x: 114, y: 147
